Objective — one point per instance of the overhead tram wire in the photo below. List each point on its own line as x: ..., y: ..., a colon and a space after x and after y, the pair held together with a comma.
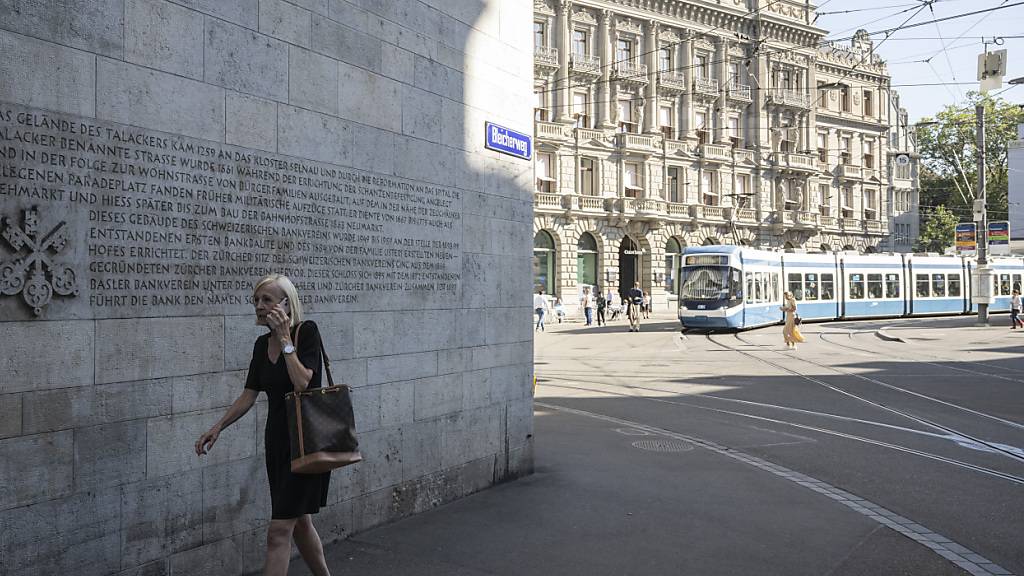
x: 887, y: 31
x: 944, y: 51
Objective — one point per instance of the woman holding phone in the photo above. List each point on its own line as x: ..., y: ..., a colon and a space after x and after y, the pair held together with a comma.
x: 279, y: 366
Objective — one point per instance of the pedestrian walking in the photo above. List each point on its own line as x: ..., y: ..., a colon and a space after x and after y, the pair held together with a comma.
x: 790, y: 330
x: 540, y: 306
x: 277, y: 368
x: 634, y: 303
x: 601, y: 305
x: 1015, y: 319
x: 588, y: 306
x: 647, y: 306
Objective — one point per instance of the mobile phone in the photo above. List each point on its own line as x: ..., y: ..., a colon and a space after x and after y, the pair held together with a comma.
x: 284, y: 304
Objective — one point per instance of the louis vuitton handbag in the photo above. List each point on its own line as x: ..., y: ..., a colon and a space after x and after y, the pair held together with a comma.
x: 322, y: 425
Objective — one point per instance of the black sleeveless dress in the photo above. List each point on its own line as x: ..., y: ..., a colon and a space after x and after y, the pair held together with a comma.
x: 292, y: 495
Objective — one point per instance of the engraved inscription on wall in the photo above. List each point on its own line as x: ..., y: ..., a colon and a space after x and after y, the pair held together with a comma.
x: 159, y: 224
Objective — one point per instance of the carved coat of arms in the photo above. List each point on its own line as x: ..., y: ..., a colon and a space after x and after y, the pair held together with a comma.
x: 34, y: 272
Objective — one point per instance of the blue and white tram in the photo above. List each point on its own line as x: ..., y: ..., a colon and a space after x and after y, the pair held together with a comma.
x: 726, y: 287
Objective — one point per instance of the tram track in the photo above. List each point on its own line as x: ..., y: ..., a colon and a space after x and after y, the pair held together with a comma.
x: 1013, y: 478
x: 913, y: 417
x: 944, y: 365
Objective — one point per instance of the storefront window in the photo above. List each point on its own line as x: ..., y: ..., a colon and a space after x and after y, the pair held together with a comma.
x: 543, y: 263
x: 586, y: 260
x: 673, y: 259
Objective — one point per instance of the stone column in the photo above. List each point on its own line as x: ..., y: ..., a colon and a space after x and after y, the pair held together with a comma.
x: 563, y: 35
x: 687, y: 107
x: 603, y: 88
x: 721, y: 72
x: 812, y: 115
x: 651, y: 91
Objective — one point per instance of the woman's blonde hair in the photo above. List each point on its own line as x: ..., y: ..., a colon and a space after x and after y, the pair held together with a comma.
x: 286, y: 286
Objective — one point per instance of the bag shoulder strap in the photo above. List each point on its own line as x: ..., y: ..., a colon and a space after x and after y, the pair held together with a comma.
x: 323, y: 351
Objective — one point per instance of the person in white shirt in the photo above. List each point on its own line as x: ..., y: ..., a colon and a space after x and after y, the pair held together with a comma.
x: 588, y: 306
x: 540, y: 306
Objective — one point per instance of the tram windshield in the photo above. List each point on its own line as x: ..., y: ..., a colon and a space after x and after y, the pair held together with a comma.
x: 711, y: 283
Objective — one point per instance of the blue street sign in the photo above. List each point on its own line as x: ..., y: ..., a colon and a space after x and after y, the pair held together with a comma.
x: 507, y: 141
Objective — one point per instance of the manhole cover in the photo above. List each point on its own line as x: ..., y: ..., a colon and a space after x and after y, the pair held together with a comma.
x: 663, y: 445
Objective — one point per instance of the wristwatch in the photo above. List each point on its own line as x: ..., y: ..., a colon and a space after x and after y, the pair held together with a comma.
x: 288, y: 349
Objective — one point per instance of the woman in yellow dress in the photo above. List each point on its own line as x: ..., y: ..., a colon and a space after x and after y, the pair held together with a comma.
x: 790, y: 332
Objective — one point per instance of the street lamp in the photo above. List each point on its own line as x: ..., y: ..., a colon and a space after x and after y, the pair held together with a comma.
x: 1016, y: 81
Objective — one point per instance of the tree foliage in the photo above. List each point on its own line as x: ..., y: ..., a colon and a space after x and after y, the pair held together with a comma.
x: 937, y: 231
x: 950, y: 155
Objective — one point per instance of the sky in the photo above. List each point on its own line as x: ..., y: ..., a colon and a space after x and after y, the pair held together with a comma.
x: 916, y: 56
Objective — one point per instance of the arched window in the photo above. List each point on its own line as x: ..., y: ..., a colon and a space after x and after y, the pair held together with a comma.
x: 543, y: 262
x: 586, y: 260
x: 709, y: 241
x: 789, y: 246
x: 673, y: 261
x: 826, y: 248
x: 871, y: 250
x: 849, y: 247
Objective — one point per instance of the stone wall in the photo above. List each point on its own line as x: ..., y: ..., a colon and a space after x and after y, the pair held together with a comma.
x: 156, y: 158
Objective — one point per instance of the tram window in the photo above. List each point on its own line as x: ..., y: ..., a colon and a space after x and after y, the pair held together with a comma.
x: 811, y: 286
x: 892, y: 285
x: 757, y: 286
x: 1004, y: 284
x: 735, y: 285
x: 775, y: 288
x: 954, y: 285
x: 827, y: 287
x: 796, y: 286
x: 939, y: 285
x: 856, y: 286
x: 1016, y: 281
x: 921, y: 281
x: 750, y: 286
x: 874, y: 285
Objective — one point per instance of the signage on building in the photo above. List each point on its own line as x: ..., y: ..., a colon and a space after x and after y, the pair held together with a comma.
x: 966, y: 239
x: 506, y: 141
x: 999, y: 238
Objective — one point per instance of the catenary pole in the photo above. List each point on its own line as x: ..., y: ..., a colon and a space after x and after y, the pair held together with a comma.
x: 979, y: 111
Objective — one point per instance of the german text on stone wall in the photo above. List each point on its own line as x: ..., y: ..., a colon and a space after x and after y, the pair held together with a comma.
x: 105, y: 220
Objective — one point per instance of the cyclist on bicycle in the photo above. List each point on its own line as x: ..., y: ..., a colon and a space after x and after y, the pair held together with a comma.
x: 634, y: 302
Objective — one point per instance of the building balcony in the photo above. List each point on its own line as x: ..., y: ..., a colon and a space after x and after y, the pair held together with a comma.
x: 748, y: 215
x: 850, y: 172
x: 702, y: 212
x: 716, y: 152
x: 631, y: 141
x: 742, y: 155
x: 632, y: 72
x: 739, y: 92
x: 677, y: 210
x: 873, y: 226
x: 805, y: 220
x: 850, y: 225
x: 549, y: 130
x: 829, y: 222
x: 798, y: 162
x: 650, y: 207
x: 823, y: 167
x: 545, y: 59
x: 706, y: 86
x: 591, y: 204
x: 870, y: 174
x: 585, y: 65
x: 791, y: 98
x: 674, y: 82
x: 547, y: 202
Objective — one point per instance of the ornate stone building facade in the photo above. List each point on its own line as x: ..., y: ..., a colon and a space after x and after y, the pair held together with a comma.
x: 666, y: 124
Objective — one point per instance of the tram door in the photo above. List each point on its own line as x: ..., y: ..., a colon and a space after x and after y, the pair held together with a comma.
x: 630, y: 266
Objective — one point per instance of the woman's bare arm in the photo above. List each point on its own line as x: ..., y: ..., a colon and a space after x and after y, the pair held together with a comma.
x: 238, y: 408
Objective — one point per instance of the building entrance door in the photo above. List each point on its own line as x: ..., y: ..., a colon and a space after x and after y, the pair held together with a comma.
x: 630, y: 265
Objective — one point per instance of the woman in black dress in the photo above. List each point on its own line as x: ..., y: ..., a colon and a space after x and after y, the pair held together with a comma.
x: 278, y: 367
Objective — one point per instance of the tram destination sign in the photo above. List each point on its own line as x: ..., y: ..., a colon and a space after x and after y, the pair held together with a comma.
x: 507, y: 141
